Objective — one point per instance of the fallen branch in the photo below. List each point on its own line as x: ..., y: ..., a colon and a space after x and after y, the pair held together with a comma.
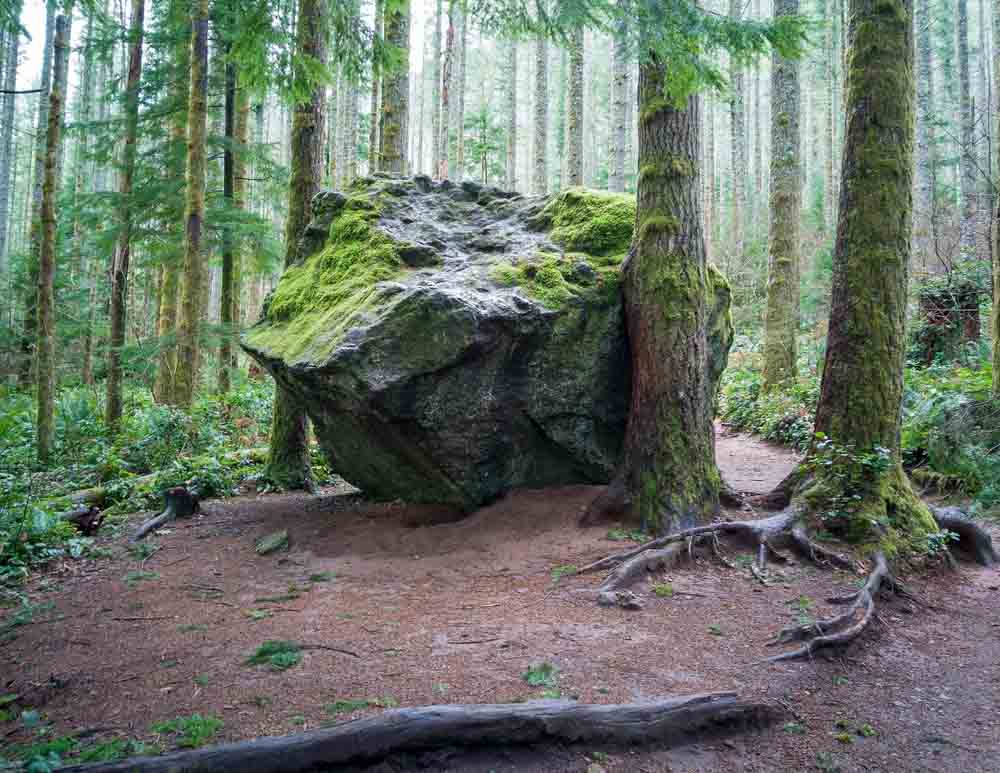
x: 668, y: 722
x: 178, y: 503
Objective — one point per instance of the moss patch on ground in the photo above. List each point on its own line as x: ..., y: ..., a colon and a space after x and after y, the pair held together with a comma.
x: 318, y: 300
x: 594, y: 222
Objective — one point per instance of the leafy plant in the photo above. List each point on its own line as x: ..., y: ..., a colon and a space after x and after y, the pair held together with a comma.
x: 279, y: 655
x: 563, y: 570
x: 664, y: 590
x: 541, y: 675
x: 190, y: 732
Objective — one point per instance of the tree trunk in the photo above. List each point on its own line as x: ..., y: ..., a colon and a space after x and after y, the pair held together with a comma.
x: 394, y: 120
x: 462, y: 47
x: 229, y: 286
x: 782, y: 319
x: 996, y: 220
x: 192, y: 280
x: 923, y: 222
x: 966, y: 117
x: 511, y: 181
x: 288, y: 458
x: 123, y: 250
x: 444, y: 152
x: 738, y: 139
x: 622, y: 93
x: 45, y: 346
x: 540, y: 180
x: 27, y: 368
x: 373, y: 127
x: 862, y: 385
x: 436, y: 92
x: 668, y: 461
x: 574, y: 130
x: 7, y: 140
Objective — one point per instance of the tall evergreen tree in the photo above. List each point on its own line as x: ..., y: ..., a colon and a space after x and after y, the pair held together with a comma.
x: 7, y: 137
x: 46, y: 234
x: 782, y: 319
x: 192, y: 280
x: 540, y: 178
x: 574, y: 129
x: 288, y: 459
x: 996, y: 220
x: 394, y: 119
x: 737, y: 112
x: 511, y: 180
x: 966, y: 116
x: 621, y: 94
x: 436, y: 90
x: 122, y: 255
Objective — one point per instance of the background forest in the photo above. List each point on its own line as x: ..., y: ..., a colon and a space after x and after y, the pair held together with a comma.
x: 126, y: 328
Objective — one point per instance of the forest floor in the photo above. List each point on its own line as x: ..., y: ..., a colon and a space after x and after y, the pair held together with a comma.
x: 457, y: 613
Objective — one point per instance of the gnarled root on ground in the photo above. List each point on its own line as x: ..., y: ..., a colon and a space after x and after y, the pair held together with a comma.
x: 971, y: 538
x: 840, y: 629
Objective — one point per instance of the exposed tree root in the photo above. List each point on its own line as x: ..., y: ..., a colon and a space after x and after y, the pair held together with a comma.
x: 971, y: 537
x: 178, y: 503
x: 840, y: 629
x: 667, y: 722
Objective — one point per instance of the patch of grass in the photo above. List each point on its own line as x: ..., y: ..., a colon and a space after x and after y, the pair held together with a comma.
x: 298, y: 719
x: 41, y: 755
x: 140, y: 551
x: 279, y: 655
x: 663, y: 590
x: 845, y: 738
x: 866, y: 731
x: 134, y: 578
x: 839, y: 680
x: 623, y: 535
x: 563, y: 570
x: 322, y: 577
x: 552, y: 693
x: 201, y: 680
x: 440, y: 687
x: 190, y: 732
x: 715, y: 630
x: 25, y: 614
x: 541, y: 675
x: 117, y: 749
x: 192, y: 628
x: 744, y: 560
x: 794, y: 728
x: 258, y: 614
x: 827, y: 763
x: 351, y: 705
x: 278, y: 599
x: 260, y: 701
x: 271, y: 543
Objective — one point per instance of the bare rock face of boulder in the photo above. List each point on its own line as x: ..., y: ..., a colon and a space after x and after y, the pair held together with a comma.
x: 450, y: 342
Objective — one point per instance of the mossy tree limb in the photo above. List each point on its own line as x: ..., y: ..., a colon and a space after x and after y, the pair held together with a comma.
x: 782, y: 319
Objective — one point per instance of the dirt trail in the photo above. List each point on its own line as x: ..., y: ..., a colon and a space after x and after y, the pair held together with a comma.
x: 458, y: 612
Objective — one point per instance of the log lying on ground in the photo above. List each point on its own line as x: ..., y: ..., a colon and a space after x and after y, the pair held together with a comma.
x: 671, y: 721
x: 178, y: 502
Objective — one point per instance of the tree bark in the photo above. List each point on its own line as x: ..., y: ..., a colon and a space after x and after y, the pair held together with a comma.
x: 395, y: 117
x: 622, y: 93
x: 192, y: 280
x: 966, y: 117
x: 540, y: 180
x: 288, y: 463
x: 862, y: 384
x: 665, y: 722
x: 668, y: 461
x: 30, y: 334
x: 229, y: 286
x: 462, y: 47
x: 123, y: 250
x: 436, y: 92
x: 782, y: 320
x: 574, y: 130
x: 7, y: 140
x: 996, y: 219
x: 511, y: 180
x: 737, y: 111
x: 923, y: 223
x: 45, y: 346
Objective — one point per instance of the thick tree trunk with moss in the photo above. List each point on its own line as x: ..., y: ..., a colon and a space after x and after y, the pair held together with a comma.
x: 782, y: 319
x: 862, y: 386
x: 288, y: 459
x: 376, y: 101
x: 123, y: 250
x: 540, y: 178
x: 394, y: 120
x: 229, y: 285
x: 668, y: 473
x: 45, y: 346
x: 189, y: 327
x: 574, y: 157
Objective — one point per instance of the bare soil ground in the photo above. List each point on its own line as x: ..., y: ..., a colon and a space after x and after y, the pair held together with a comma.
x: 456, y: 613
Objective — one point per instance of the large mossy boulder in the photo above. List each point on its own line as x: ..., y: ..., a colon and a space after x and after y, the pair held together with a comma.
x: 452, y: 342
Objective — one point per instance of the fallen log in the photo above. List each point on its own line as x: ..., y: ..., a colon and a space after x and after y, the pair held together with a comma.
x: 667, y: 722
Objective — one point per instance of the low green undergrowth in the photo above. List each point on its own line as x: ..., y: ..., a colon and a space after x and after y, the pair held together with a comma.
x: 950, y: 430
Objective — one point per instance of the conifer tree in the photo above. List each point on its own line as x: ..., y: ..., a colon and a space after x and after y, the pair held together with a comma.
x: 574, y: 129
